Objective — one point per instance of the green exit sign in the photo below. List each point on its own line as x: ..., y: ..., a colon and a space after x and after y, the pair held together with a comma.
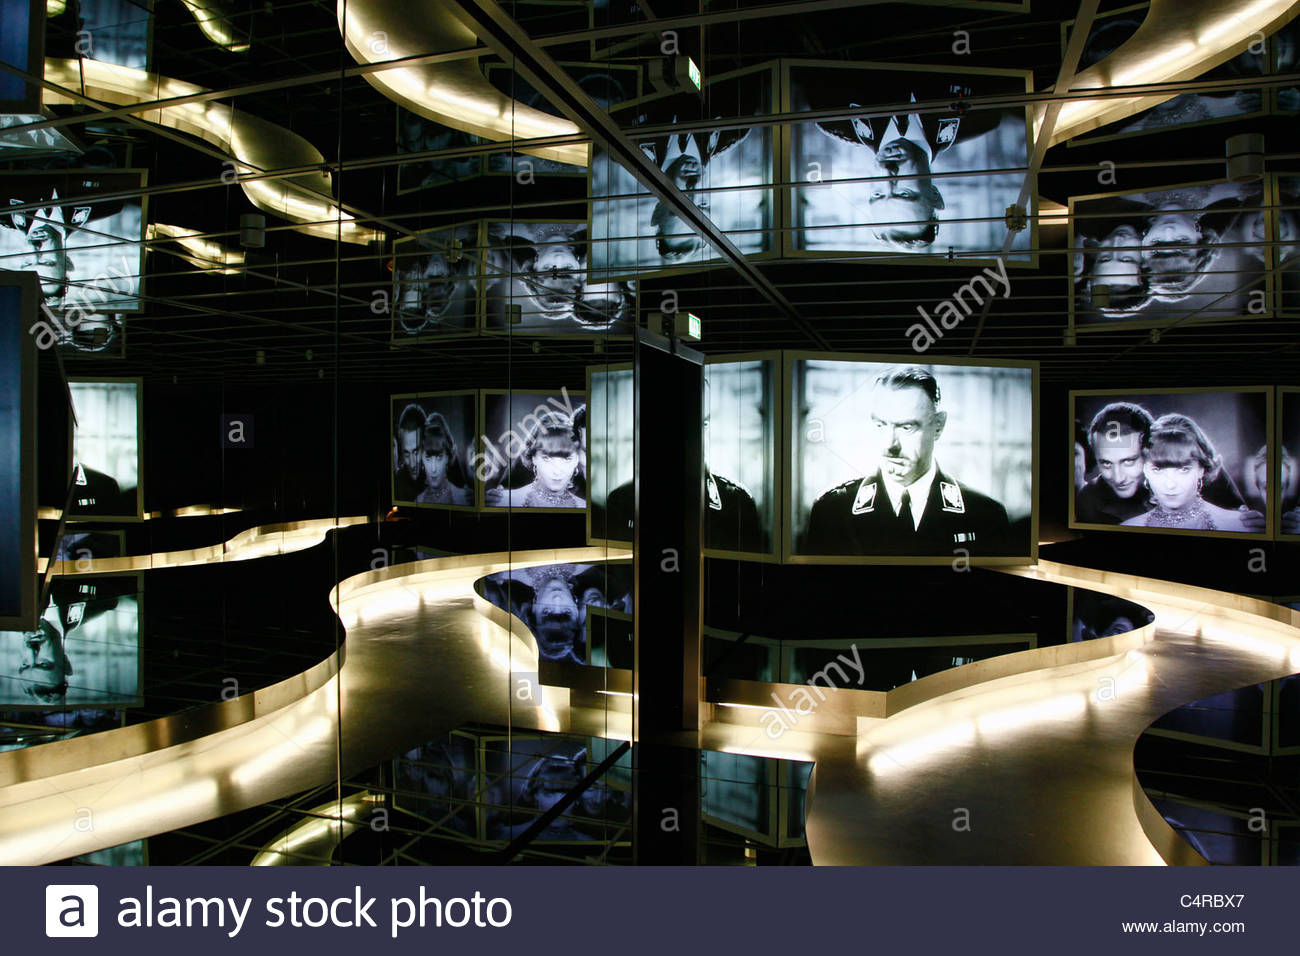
x: 694, y: 73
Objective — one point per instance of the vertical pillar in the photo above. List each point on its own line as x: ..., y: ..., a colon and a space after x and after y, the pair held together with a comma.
x: 668, y: 604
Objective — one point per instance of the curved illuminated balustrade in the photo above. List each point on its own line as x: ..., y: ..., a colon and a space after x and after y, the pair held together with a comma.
x: 1034, y: 748
x: 454, y: 93
x: 254, y: 145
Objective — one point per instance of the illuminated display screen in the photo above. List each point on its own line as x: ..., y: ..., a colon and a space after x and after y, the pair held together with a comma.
x: 433, y: 449
x: 538, y: 282
x: 415, y: 134
x: 611, y: 443
x: 552, y: 600
x: 84, y: 653
x: 115, y: 31
x: 1194, y: 462
x: 106, y: 449
x: 726, y: 172
x: 910, y: 462
x: 15, y: 564
x: 1288, y: 235
x: 435, y: 283
x: 534, y: 450
x: 1151, y: 258
x: 905, y: 183
x: 87, y: 251
x: 21, y: 43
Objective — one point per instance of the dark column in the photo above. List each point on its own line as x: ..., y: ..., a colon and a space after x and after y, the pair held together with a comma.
x: 669, y: 599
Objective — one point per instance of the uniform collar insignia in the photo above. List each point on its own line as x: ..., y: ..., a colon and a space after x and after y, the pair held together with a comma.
x: 81, y: 476
x: 715, y: 499
x: 952, y: 501
x: 865, y: 502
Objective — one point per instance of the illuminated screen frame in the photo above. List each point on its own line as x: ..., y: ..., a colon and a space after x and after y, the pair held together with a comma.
x: 606, y: 541
x: 1026, y: 258
x: 1121, y: 394
x: 408, y: 800
x: 476, y: 254
x: 1268, y: 284
x: 1088, y: 139
x: 480, y: 491
x: 32, y: 100
x: 409, y: 397
x: 1283, y: 396
x: 75, y: 518
x: 25, y: 612
x: 788, y: 452
x: 776, y: 461
x: 776, y: 216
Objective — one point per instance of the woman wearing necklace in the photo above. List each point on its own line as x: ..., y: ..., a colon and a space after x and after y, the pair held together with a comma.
x: 1178, y: 460
x: 554, y: 455
x: 441, y: 465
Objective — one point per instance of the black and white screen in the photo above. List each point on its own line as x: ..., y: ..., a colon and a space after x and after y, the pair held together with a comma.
x: 1288, y: 242
x: 433, y: 449
x: 553, y: 600
x: 439, y: 782
x: 1180, y: 461
x: 435, y: 283
x: 903, y: 460
x: 538, y: 282
x: 726, y: 171
x: 1288, y: 466
x: 612, y: 445
x: 106, y: 449
x: 115, y: 31
x: 85, y: 651
x: 86, y: 250
x: 13, y: 582
x: 534, y: 450
x: 1169, y: 255
x: 910, y: 183
x: 740, y: 441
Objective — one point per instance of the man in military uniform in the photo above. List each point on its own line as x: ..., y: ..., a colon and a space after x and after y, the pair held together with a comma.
x: 97, y: 494
x: 731, y: 521
x: 909, y: 506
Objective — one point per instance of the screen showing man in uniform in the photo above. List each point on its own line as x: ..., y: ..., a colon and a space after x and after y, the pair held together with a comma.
x: 552, y: 600
x: 415, y: 134
x: 1183, y: 461
x: 106, y: 449
x: 435, y: 282
x: 85, y: 651
x: 534, y: 450
x: 910, y: 461
x: 538, y: 282
x: 898, y: 179
x: 12, y: 583
x: 1288, y: 465
x: 433, y: 441
x: 1190, y: 253
x: 86, y: 250
x: 1111, y: 30
x: 725, y: 171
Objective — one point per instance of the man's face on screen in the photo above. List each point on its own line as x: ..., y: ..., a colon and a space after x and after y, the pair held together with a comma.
x: 1119, y: 462
x: 409, y: 452
x: 904, y: 426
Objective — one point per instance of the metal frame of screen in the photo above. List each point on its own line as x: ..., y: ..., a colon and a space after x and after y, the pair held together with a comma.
x: 1269, y: 285
x: 32, y: 100
x: 787, y: 452
x: 773, y: 554
x: 1275, y: 466
x: 30, y: 292
x: 773, y: 230
x: 1123, y: 393
x: 480, y: 491
x: 1027, y: 258
x: 474, y: 436
x: 73, y: 517
x: 477, y: 253
x: 1088, y: 139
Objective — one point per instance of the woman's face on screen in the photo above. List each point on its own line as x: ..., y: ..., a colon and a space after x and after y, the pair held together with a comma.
x: 555, y: 469
x: 1175, y: 484
x: 435, y: 468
